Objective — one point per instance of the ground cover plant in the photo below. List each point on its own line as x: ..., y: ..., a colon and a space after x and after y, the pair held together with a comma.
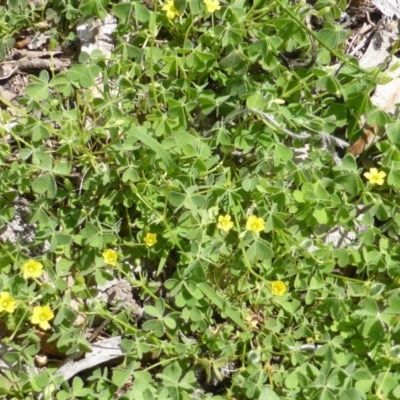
x: 205, y: 164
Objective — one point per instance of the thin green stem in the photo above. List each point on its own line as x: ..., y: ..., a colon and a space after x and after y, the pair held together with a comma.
x: 243, y: 250
x: 344, y: 278
x: 161, y: 219
x: 4, y: 248
x: 379, y: 390
x: 151, y: 67
x: 160, y: 363
x: 18, y: 325
x: 193, y: 21
x: 318, y: 39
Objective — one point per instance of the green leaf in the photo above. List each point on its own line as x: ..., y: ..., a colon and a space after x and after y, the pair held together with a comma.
x: 393, y: 133
x: 77, y: 384
x: 63, y: 267
x: 350, y: 182
x: 41, y: 380
x: 268, y: 394
x: 259, y: 250
x: 372, y: 328
x: 94, y: 7
x: 40, y: 132
x: 89, y: 76
x: 3, y: 46
x: 62, y: 83
x: 222, y: 305
x: 151, y: 310
x: 120, y: 376
x: 387, y: 382
x: 169, y: 323
x: 359, y: 100
x: 131, y: 175
x: 394, y: 303
x: 180, y: 5
x: 256, y: 100
x: 329, y: 83
x: 378, y: 117
x: 101, y: 277
x: 285, y: 153
x: 349, y: 163
x: 370, y: 306
x: 235, y: 63
x: 24, y: 154
x: 207, y: 104
x: 44, y: 76
x: 338, y: 112
x: 292, y: 381
x: 140, y: 133
x: 142, y: 381
x: 171, y: 374
x: 264, y: 251
x: 195, y: 7
x: 38, y: 91
x: 364, y: 385
x: 85, y: 75
x: 298, y: 196
x: 154, y: 325
x: 142, y: 14
x: 92, y: 235
x: 63, y: 238
x: 45, y: 184
x: 62, y: 169
x: 43, y: 160
x: 122, y: 11
x: 362, y: 374
x: 332, y: 35
x: 352, y: 394
x: 321, y: 216
x: 176, y: 199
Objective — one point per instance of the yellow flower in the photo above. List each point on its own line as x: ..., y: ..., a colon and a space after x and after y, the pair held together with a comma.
x: 110, y: 257
x: 278, y: 288
x: 375, y: 177
x: 225, y: 223
x: 7, y: 303
x: 255, y: 224
x: 169, y: 7
x: 150, y: 239
x: 41, y: 316
x: 32, y: 269
x: 212, y: 5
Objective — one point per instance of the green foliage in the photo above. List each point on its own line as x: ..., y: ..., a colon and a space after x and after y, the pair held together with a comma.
x: 194, y: 118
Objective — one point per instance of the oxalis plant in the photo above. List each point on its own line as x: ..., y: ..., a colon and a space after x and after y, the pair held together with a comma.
x: 205, y: 163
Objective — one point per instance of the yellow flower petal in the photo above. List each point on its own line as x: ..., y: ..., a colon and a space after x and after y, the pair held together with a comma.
x: 169, y: 7
x: 375, y: 177
x: 44, y: 325
x: 41, y: 315
x: 7, y: 303
x: 32, y: 269
x: 225, y: 223
x: 278, y: 288
x: 212, y: 5
x: 150, y: 239
x: 255, y: 224
x: 110, y: 257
